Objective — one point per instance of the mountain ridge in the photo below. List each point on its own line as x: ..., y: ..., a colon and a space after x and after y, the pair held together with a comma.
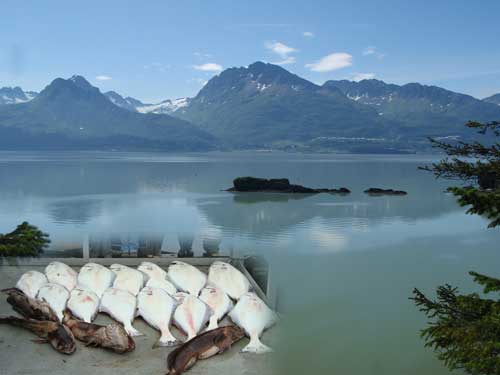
x: 261, y: 105
x: 78, y: 113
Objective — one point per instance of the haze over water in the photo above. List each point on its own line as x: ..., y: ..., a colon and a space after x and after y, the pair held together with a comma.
x: 345, y: 265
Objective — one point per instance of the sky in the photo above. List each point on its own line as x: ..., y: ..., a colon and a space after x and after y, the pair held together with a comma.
x: 159, y: 49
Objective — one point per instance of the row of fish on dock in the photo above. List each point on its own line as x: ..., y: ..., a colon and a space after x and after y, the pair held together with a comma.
x: 61, y: 304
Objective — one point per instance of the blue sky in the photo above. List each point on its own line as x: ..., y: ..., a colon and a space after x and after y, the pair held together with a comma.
x: 159, y: 49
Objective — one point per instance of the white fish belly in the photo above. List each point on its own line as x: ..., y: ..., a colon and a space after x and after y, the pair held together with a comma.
x: 253, y: 315
x: 83, y: 304
x: 187, y: 277
x: 128, y: 279
x: 95, y: 278
x: 56, y: 296
x: 30, y: 283
x: 191, y: 315
x: 156, y: 306
x: 218, y: 301
x: 153, y: 271
x: 121, y: 306
x: 229, y: 279
x: 62, y: 274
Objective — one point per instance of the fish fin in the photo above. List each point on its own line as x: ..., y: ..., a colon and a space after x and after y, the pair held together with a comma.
x: 133, y: 332
x: 166, y: 340
x: 40, y: 341
x: 219, y: 338
x: 9, y: 290
x: 256, y: 347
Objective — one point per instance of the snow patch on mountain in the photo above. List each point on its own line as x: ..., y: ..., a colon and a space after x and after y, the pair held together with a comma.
x: 15, y: 95
x: 165, y: 107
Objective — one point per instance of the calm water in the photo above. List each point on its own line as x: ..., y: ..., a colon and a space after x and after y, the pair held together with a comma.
x: 345, y: 265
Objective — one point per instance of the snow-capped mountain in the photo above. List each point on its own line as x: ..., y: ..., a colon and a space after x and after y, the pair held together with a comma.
x: 165, y: 107
x: 15, y: 95
x: 128, y: 103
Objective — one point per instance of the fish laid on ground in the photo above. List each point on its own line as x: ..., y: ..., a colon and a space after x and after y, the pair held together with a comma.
x: 218, y: 301
x: 203, y: 346
x: 153, y: 271
x: 127, y: 278
x: 112, y: 336
x: 157, y: 277
x: 31, y: 282
x: 229, y: 279
x: 156, y: 306
x: 56, y: 296
x: 191, y: 314
x: 121, y: 306
x: 186, y: 277
x: 166, y: 285
x: 253, y: 315
x: 58, y: 335
x: 30, y: 307
x: 95, y: 278
x: 62, y: 274
x: 83, y: 304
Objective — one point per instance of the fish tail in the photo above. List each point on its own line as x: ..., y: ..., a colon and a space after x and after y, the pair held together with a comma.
x: 132, y: 331
x: 166, y: 339
x: 256, y: 347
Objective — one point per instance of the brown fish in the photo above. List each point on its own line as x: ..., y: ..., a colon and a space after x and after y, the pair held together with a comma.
x: 29, y: 307
x: 112, y: 336
x: 56, y: 334
x: 202, y: 346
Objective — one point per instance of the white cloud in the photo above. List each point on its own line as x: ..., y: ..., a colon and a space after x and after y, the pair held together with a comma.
x: 283, y: 51
x: 372, y: 51
x: 208, y: 67
x: 331, y: 62
x: 361, y: 76
x: 280, y: 49
x: 308, y: 34
x: 103, y: 78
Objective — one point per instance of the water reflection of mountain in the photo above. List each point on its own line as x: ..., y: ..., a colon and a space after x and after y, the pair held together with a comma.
x: 261, y: 213
x: 103, y: 184
x: 79, y: 174
x: 76, y: 211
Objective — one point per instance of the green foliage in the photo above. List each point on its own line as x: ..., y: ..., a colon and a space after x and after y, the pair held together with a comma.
x: 25, y: 240
x: 471, y: 162
x: 464, y: 330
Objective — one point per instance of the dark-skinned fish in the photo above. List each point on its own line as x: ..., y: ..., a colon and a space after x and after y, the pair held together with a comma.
x: 56, y: 334
x: 29, y: 307
x: 112, y: 336
x: 202, y: 346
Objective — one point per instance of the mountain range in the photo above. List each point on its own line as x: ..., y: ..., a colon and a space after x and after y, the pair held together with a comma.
x: 495, y: 99
x: 259, y: 106
x: 15, y: 95
x: 71, y: 113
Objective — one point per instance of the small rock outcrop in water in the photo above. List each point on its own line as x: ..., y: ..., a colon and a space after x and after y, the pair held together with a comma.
x: 378, y: 191
x: 277, y: 185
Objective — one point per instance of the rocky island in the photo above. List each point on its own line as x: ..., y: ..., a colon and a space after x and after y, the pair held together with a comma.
x: 378, y: 191
x: 277, y: 185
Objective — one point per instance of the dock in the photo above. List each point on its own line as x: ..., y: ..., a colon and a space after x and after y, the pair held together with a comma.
x: 19, y: 355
